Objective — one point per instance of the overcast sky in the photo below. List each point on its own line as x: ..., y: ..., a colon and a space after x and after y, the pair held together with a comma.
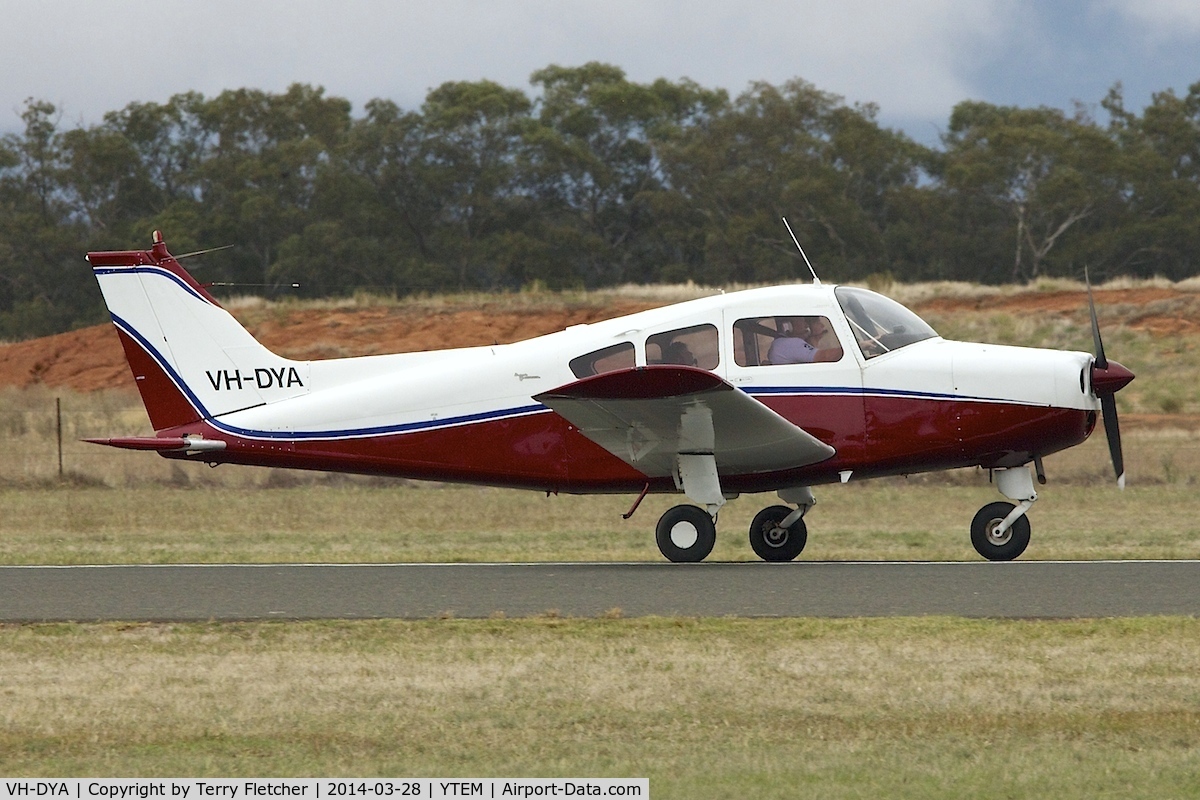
x: 914, y: 58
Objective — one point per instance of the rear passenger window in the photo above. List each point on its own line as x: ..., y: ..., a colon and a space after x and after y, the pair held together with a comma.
x: 691, y: 347
x: 619, y: 356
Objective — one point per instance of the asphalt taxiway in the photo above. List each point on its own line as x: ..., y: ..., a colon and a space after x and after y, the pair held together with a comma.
x: 1020, y: 589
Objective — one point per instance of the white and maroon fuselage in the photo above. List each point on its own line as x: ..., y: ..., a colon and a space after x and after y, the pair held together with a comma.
x: 470, y: 415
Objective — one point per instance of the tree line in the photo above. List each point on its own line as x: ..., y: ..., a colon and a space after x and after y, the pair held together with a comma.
x: 591, y: 180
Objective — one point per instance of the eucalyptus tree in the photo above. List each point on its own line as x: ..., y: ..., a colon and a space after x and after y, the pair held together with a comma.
x: 1029, y: 175
x: 1161, y: 234
x: 596, y: 172
x: 797, y: 152
x: 162, y: 184
x: 42, y: 288
x: 386, y: 152
x: 370, y: 215
x: 103, y: 181
x: 473, y: 135
x: 258, y: 179
x: 38, y: 153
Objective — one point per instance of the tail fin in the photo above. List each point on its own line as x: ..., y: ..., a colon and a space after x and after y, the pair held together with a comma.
x: 190, y: 358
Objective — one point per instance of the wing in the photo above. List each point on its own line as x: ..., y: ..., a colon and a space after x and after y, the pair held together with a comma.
x: 649, y: 416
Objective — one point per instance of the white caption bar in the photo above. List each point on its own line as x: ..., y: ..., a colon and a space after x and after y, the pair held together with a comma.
x: 320, y: 788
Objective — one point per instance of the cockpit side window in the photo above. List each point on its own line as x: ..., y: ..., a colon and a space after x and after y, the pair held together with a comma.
x: 763, y: 341
x: 880, y: 324
x: 691, y: 347
x: 618, y: 356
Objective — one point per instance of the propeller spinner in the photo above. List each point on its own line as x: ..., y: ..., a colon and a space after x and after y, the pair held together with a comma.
x: 1107, y: 379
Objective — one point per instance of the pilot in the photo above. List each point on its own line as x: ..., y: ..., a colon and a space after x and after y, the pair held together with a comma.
x: 791, y: 347
x: 821, y: 337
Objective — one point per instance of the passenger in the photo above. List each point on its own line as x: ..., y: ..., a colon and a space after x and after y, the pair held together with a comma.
x: 678, y: 353
x: 791, y: 347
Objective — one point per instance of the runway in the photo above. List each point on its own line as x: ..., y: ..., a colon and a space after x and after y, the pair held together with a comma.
x: 1039, y: 589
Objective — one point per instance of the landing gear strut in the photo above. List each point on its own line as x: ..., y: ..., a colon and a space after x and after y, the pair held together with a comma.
x: 688, y: 533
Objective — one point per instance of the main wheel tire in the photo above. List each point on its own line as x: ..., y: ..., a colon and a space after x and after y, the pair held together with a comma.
x: 999, y: 548
x: 686, y: 533
x: 773, y: 543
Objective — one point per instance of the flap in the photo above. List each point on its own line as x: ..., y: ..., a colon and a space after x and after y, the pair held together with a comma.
x: 648, y: 416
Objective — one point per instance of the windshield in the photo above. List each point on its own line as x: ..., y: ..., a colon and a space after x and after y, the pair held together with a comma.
x: 880, y: 324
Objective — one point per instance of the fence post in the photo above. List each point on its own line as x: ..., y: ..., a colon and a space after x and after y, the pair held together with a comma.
x: 58, y: 423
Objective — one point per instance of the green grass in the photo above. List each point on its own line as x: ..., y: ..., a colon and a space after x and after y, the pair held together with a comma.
x: 704, y: 708
x: 891, y: 520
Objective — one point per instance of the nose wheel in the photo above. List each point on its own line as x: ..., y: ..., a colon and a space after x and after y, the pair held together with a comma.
x: 992, y: 540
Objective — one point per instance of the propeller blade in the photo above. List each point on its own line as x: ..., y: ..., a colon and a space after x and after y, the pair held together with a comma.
x: 1101, y: 361
x: 1108, y: 405
x: 1107, y: 380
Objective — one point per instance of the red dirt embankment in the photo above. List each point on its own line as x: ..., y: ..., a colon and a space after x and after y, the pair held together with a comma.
x: 91, y: 358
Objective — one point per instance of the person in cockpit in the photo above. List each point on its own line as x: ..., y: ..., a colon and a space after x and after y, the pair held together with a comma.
x: 792, y: 347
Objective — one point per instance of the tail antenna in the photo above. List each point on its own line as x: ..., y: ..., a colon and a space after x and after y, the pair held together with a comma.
x: 195, y: 253
x: 816, y: 280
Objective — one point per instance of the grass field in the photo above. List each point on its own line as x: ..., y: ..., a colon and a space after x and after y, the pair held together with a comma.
x: 890, y: 520
x: 917, y: 708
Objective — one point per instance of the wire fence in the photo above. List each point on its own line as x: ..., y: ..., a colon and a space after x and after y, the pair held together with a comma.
x: 41, y: 433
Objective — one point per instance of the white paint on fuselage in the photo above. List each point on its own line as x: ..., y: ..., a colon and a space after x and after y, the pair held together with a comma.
x: 984, y: 372
x: 368, y: 395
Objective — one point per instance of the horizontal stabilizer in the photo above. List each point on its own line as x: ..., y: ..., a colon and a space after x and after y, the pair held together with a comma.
x: 649, y: 416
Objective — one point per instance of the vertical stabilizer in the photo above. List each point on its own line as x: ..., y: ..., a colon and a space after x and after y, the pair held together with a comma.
x: 190, y: 358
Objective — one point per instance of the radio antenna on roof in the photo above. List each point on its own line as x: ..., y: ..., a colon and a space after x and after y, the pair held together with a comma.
x: 816, y: 280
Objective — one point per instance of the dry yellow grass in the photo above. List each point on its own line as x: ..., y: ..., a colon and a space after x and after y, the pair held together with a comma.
x: 891, y: 520
x: 704, y: 708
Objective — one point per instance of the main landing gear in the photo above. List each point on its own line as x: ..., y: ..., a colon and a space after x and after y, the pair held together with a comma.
x: 778, y: 533
x: 774, y: 536
x: 686, y: 533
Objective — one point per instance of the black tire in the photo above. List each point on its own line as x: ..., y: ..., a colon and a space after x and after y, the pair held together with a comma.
x: 772, y: 543
x: 686, y: 533
x: 1006, y: 548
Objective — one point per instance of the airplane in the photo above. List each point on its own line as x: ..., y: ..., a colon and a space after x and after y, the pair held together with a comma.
x: 774, y: 389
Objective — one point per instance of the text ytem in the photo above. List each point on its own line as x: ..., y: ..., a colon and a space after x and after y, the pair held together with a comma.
x: 261, y: 378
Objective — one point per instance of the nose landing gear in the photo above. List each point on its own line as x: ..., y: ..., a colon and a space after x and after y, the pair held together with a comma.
x: 994, y: 542
x: 1000, y: 531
